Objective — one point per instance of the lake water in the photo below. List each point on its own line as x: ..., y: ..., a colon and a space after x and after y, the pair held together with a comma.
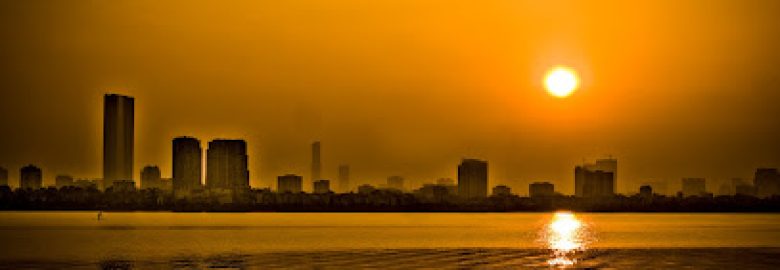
x: 78, y: 240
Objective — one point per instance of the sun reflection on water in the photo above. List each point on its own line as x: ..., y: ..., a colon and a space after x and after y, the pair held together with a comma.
x: 565, y: 236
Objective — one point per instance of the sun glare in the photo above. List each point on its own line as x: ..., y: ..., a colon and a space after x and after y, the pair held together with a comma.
x: 565, y: 237
x: 561, y: 81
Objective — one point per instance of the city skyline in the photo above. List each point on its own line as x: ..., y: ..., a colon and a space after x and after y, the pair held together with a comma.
x: 230, y: 159
x: 690, y: 93
x: 390, y: 134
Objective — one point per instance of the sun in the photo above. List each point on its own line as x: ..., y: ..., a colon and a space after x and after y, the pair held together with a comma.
x: 561, y: 81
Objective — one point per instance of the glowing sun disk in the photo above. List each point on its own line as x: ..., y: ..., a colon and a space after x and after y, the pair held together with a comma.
x: 561, y: 81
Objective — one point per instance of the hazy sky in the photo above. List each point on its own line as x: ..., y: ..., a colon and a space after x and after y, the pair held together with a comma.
x: 670, y: 88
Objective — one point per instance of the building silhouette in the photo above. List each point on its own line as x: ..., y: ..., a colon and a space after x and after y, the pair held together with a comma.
x: 321, y: 186
x: 151, y: 177
x: 595, y: 179
x: 541, y: 189
x: 289, y: 183
x: 187, y: 166
x: 62, y: 180
x: 316, y: 166
x: 3, y: 176
x: 366, y: 189
x: 694, y: 187
x: 166, y: 184
x: 448, y: 184
x: 596, y: 183
x: 745, y: 190
x: 445, y: 182
x: 435, y: 193
x: 502, y: 191
x: 118, y: 117
x: 767, y: 182
x: 646, y: 191
x: 472, y: 178
x: 226, y: 165
x: 738, y: 186
x: 395, y: 182
x: 344, y: 178
x: 86, y: 184
x: 123, y: 186
x: 659, y: 186
x: 730, y: 187
x: 30, y: 177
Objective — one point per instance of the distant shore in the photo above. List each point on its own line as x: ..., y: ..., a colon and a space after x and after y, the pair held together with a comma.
x: 77, y: 199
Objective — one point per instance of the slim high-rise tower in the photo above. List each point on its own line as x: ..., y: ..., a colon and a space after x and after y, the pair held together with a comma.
x: 187, y: 165
x: 472, y: 178
x: 226, y: 165
x: 344, y: 178
x: 316, y: 168
x: 63, y: 180
x: 117, y: 138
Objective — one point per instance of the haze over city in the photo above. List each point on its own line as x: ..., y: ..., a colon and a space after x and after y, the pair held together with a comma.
x: 389, y: 134
x: 671, y: 90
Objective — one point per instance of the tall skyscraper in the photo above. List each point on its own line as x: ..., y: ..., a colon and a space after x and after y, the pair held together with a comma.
x: 693, y: 187
x: 472, y: 178
x: 226, y: 165
x: 62, y: 180
x: 289, y: 183
x: 344, y: 178
x: 30, y: 177
x: 395, y: 182
x: 316, y: 166
x: 595, y: 179
x: 117, y: 138
x: 766, y: 182
x: 3, y: 176
x: 187, y: 165
x: 151, y: 177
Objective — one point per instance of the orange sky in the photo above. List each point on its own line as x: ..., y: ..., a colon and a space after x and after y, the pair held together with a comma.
x: 671, y: 88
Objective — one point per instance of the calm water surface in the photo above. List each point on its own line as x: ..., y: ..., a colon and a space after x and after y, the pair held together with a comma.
x: 386, y: 240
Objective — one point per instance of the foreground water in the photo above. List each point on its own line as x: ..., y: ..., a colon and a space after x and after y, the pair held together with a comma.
x: 76, y: 240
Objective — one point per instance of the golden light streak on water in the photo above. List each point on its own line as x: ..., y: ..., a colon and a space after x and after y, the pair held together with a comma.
x: 565, y: 236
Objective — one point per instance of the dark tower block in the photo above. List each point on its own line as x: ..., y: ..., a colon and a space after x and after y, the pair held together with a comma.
x: 226, y: 165
x: 187, y: 165
x: 117, y: 139
x: 472, y: 179
x: 30, y: 177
